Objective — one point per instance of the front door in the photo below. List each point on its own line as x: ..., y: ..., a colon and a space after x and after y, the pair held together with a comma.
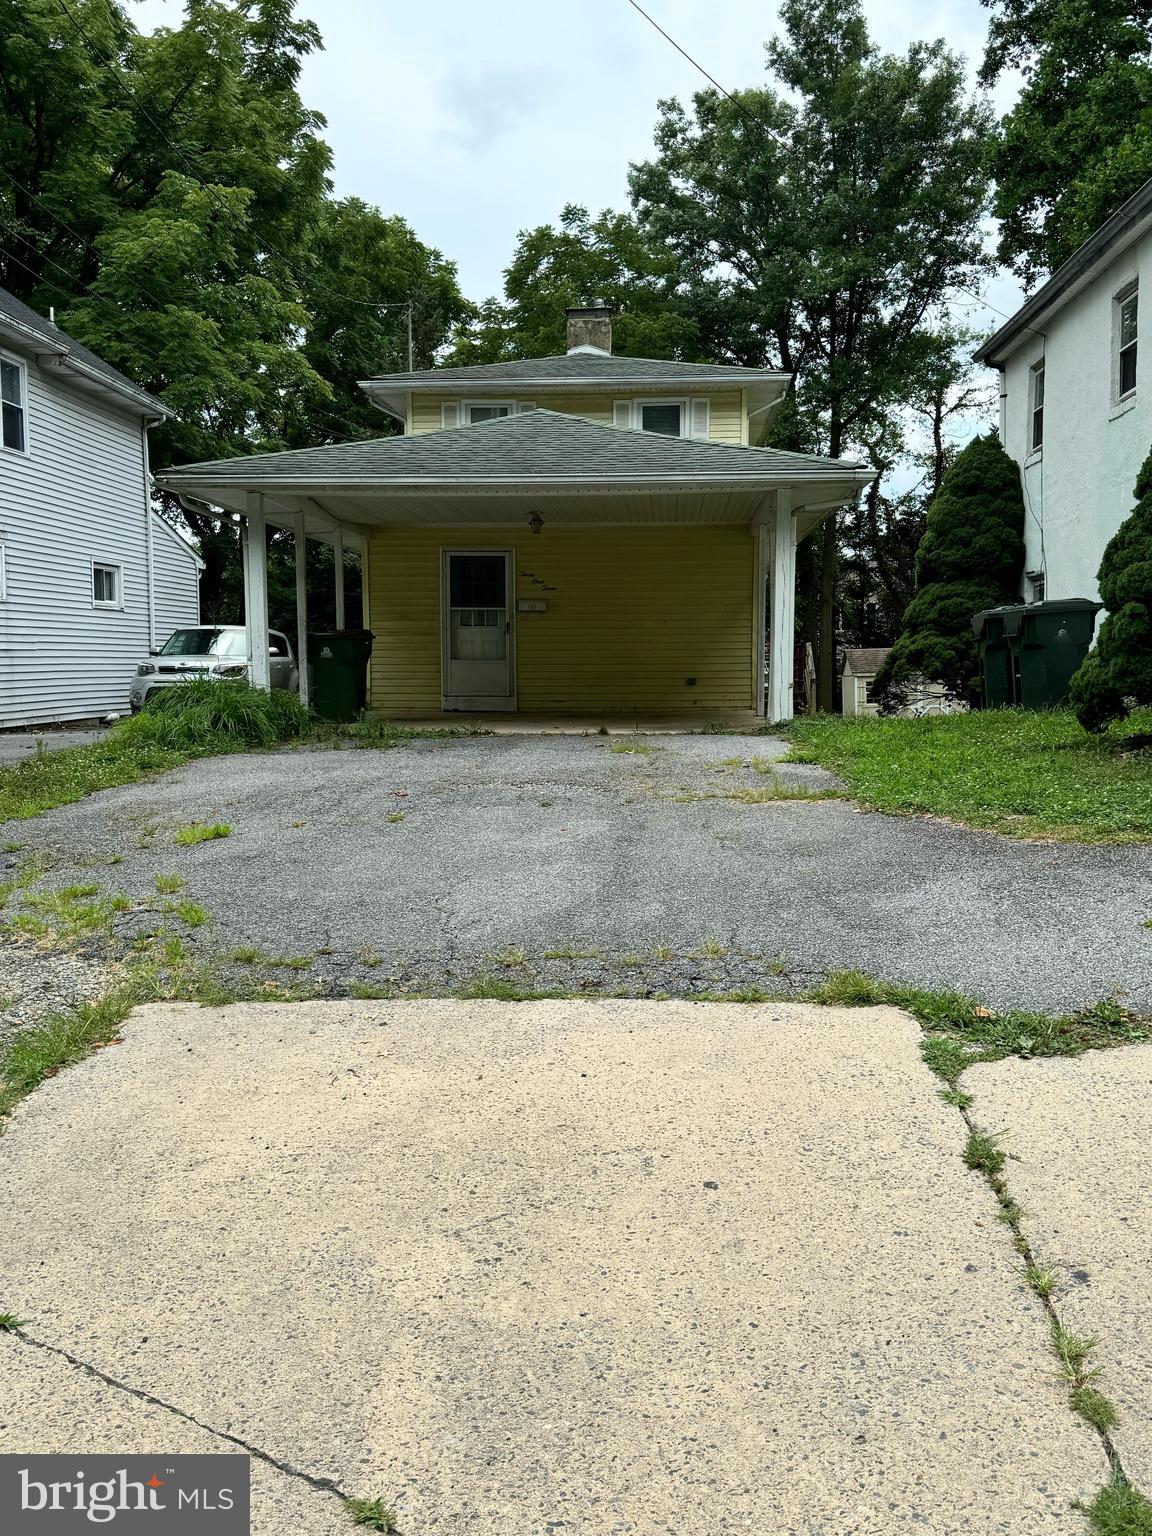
x: 478, y: 648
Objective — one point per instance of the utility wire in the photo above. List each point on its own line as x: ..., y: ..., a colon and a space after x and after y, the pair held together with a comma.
x: 759, y: 123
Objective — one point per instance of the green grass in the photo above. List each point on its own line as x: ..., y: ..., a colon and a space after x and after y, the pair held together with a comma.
x: 984, y: 1154
x: 188, y: 837
x: 168, y: 885
x: 1120, y: 1510
x: 372, y: 1513
x: 192, y: 913
x: 1022, y: 773
x: 9, y: 1322
x: 977, y: 1033
x: 641, y: 748
x: 1092, y: 1405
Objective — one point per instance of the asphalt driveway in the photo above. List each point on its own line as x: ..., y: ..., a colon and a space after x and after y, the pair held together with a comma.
x: 568, y: 863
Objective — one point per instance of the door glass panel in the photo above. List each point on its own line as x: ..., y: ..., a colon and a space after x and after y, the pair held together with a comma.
x: 478, y: 611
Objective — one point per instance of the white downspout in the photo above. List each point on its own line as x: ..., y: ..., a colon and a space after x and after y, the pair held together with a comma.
x: 148, y: 540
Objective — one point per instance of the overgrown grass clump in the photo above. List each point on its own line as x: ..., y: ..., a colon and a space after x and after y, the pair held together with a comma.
x: 208, y: 715
x: 1023, y: 773
x: 962, y: 1031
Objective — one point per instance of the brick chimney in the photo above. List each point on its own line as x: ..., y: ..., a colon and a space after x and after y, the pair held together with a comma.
x: 590, y: 328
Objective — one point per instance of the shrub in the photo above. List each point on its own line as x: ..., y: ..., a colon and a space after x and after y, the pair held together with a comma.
x: 206, y: 714
x: 1118, y: 673
x: 970, y: 558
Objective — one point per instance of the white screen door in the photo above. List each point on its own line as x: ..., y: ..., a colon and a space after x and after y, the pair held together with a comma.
x: 479, y: 663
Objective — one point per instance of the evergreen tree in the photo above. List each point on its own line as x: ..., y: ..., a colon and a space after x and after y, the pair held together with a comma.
x: 1119, y: 671
x: 970, y: 558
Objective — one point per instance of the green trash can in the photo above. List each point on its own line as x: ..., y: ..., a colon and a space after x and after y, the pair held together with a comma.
x: 338, y: 673
x: 1055, y: 638
x: 1028, y: 654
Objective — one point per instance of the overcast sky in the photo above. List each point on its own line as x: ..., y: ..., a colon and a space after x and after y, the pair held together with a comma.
x: 476, y: 121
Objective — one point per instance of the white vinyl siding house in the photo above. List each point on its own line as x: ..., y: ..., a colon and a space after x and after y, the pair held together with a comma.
x: 1076, y: 401
x: 79, y: 606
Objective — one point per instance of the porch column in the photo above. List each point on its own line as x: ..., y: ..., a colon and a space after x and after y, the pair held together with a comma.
x: 338, y: 568
x: 300, y: 538
x: 782, y: 608
x: 256, y: 590
x: 760, y: 608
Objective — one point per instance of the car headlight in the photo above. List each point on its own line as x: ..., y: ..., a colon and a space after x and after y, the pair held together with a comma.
x: 144, y: 669
x: 234, y: 669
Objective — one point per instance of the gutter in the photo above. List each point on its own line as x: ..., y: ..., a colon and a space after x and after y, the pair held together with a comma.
x: 58, y: 356
x: 850, y: 474
x: 1064, y: 280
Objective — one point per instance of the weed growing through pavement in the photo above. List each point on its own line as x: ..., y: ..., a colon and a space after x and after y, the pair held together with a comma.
x: 188, y: 837
x: 168, y: 885
x: 374, y: 1514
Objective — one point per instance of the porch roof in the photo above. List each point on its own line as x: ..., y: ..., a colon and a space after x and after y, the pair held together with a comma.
x: 589, y: 473
x: 577, y: 367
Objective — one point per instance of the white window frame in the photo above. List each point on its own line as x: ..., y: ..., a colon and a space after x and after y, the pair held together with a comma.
x: 507, y: 406
x: 3, y: 572
x: 116, y: 602
x: 681, y: 401
x: 1130, y: 290
x: 19, y: 363
x: 1037, y: 585
x: 1036, y: 384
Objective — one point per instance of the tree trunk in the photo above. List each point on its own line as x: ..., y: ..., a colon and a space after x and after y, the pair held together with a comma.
x: 826, y: 652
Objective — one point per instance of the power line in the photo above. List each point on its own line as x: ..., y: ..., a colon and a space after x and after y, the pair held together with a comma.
x: 756, y: 122
x: 317, y: 286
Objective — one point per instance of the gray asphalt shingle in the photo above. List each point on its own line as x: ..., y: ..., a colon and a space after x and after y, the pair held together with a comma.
x: 574, y: 366
x: 541, y: 445
x: 15, y: 309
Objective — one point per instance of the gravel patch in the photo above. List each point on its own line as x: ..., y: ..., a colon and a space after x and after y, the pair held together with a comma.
x: 564, y: 864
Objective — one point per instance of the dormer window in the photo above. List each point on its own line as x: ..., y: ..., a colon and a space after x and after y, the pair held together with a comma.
x: 486, y: 410
x: 664, y: 416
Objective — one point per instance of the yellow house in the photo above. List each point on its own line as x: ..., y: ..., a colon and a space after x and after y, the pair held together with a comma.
x: 583, y: 534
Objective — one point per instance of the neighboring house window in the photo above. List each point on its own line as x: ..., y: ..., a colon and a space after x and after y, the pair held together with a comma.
x: 1037, y: 582
x: 106, y: 586
x: 485, y: 411
x: 1038, y: 406
x: 870, y: 690
x: 12, y: 405
x: 1127, y: 305
x: 3, y: 572
x: 665, y: 416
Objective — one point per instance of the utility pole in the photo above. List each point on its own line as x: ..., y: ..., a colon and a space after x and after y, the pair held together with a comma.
x: 411, y: 353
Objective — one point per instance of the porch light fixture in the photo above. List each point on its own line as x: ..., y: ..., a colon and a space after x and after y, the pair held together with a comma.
x: 535, y: 522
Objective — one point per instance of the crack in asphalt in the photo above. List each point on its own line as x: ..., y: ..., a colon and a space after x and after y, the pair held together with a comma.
x: 319, y: 1484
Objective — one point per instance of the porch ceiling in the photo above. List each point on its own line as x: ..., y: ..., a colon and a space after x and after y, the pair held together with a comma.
x: 360, y: 511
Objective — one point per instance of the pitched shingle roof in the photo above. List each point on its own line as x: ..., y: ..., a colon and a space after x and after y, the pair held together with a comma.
x: 575, y: 367
x: 867, y: 661
x: 533, y: 446
x: 27, y: 319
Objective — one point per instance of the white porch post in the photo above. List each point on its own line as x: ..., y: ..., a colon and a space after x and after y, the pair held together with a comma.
x: 256, y: 590
x: 760, y: 610
x: 782, y: 608
x: 301, y: 542
x: 338, y: 567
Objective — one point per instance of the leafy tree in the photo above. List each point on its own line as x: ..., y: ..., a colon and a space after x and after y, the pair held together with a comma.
x: 558, y: 268
x: 821, y: 228
x: 1078, y: 140
x: 1118, y: 672
x: 168, y: 193
x: 970, y: 558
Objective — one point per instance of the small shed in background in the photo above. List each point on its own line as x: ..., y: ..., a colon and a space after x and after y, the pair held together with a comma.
x: 860, y: 669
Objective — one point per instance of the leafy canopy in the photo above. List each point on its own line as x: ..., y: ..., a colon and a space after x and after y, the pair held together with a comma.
x: 1078, y: 140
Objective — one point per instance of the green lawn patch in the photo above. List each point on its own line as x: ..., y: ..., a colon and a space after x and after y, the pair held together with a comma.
x: 1022, y: 773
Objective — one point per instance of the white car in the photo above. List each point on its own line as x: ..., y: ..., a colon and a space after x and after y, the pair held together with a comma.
x: 210, y: 650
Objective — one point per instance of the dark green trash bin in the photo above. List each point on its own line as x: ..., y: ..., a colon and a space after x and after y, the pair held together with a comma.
x: 338, y: 673
x: 1028, y: 654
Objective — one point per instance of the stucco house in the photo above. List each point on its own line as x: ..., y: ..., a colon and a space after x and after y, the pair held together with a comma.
x: 583, y: 534
x: 1076, y: 401
x: 90, y: 576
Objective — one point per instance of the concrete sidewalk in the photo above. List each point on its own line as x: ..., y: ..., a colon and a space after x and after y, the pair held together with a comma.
x: 541, y: 1267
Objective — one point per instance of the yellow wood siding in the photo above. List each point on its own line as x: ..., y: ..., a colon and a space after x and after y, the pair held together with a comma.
x: 726, y: 420
x: 633, y: 614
